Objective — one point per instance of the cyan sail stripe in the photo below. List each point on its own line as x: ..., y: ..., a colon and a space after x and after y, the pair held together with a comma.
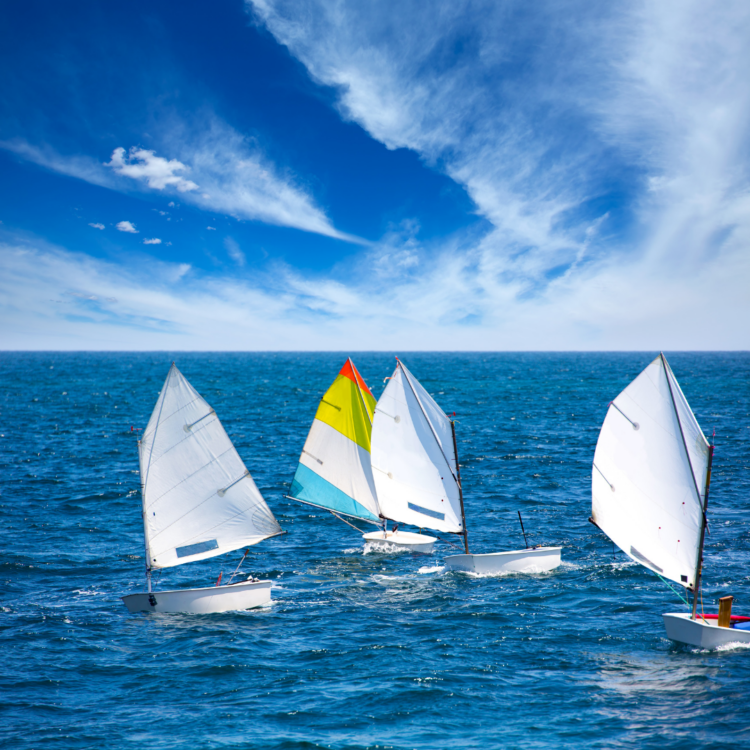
x: 308, y: 487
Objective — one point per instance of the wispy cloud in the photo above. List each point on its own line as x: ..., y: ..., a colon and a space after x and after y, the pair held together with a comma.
x: 73, y: 301
x: 96, y: 226
x: 83, y: 167
x: 234, y: 251
x: 126, y: 226
x: 229, y: 175
x: 152, y: 241
x: 596, y: 140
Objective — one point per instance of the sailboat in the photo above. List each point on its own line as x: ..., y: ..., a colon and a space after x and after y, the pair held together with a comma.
x: 418, y: 479
x: 649, y: 483
x: 199, y: 501
x: 334, y: 471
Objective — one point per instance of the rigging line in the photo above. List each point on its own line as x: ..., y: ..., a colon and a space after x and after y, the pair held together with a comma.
x: 322, y: 507
x: 336, y: 515
x: 682, y: 598
x: 432, y: 429
x: 445, y: 541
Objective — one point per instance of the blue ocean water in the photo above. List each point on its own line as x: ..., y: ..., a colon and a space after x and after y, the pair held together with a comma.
x: 357, y: 650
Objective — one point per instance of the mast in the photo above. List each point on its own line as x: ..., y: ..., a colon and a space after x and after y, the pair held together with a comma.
x: 699, y: 566
x: 460, y: 491
x: 145, y: 529
x: 144, y: 477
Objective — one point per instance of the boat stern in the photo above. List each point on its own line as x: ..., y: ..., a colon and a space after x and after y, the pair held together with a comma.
x: 703, y: 633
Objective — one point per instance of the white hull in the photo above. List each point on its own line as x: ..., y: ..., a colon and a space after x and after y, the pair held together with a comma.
x: 537, y: 560
x: 233, y: 597
x: 702, y: 633
x: 402, y: 539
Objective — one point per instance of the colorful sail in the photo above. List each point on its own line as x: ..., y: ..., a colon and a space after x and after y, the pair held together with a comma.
x: 649, y: 475
x: 413, y: 457
x: 334, y: 469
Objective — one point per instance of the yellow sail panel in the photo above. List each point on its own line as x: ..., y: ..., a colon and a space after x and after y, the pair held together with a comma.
x: 348, y: 408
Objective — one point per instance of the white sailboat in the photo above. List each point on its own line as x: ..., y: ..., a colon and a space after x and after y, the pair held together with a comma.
x: 418, y: 480
x: 199, y: 501
x: 650, y: 482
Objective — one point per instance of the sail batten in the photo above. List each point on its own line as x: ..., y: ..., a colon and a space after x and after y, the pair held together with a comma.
x: 195, y: 502
x: 334, y: 470
x: 645, y: 475
x: 412, y: 448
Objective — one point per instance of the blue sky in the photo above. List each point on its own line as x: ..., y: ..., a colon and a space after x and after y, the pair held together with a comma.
x: 391, y: 175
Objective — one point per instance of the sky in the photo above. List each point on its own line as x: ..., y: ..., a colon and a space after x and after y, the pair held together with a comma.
x: 318, y: 175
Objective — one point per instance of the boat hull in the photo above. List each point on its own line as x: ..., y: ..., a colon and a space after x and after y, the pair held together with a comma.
x: 402, y: 539
x: 233, y: 597
x: 701, y: 633
x: 518, y: 561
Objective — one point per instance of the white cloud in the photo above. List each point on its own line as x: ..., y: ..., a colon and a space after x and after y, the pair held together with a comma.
x: 452, y: 303
x: 152, y: 241
x: 96, y: 226
x: 141, y: 164
x: 126, y: 226
x: 235, y: 177
x: 81, y: 167
x: 605, y: 145
x: 211, y: 229
x: 234, y: 252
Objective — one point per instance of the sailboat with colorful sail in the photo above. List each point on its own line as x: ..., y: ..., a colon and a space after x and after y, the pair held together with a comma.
x: 418, y: 480
x: 649, y: 484
x: 335, y: 471
x: 198, y: 501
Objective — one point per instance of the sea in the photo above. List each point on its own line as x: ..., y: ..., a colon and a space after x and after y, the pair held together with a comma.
x: 359, y: 648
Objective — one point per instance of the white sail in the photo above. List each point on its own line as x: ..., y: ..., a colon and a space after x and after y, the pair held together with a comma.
x: 199, y: 500
x: 649, y: 473
x: 413, y: 457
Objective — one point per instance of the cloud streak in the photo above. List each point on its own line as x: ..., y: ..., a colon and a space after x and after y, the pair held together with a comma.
x: 596, y: 140
x: 56, y: 299
x: 229, y: 175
